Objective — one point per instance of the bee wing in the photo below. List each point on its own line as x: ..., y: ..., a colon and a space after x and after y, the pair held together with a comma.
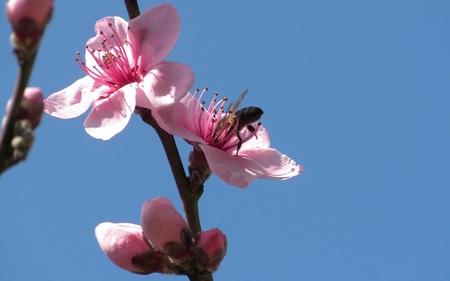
x: 229, y: 117
x: 239, y: 100
x: 234, y: 105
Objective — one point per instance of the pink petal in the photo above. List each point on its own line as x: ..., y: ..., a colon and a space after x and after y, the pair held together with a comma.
x: 273, y: 164
x: 253, y: 163
x: 165, y: 84
x: 176, y: 120
x: 234, y: 170
x: 75, y: 99
x: 121, y: 242
x: 119, y: 30
x: 110, y: 115
x: 157, y: 30
x: 118, y: 24
x: 165, y: 228
x: 261, y: 140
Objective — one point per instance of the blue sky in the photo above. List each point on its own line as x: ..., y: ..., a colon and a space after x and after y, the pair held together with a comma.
x: 355, y: 91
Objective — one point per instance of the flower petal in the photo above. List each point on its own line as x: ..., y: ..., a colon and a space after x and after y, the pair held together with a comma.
x: 273, y: 164
x: 120, y: 242
x: 165, y: 228
x: 253, y: 163
x: 165, y: 84
x: 157, y: 30
x: 110, y: 115
x: 261, y: 140
x: 102, y: 26
x: 234, y: 170
x: 75, y: 99
x: 117, y: 35
x: 176, y: 120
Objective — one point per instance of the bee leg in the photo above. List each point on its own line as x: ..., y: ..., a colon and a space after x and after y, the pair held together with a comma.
x: 239, y: 143
x: 252, y: 130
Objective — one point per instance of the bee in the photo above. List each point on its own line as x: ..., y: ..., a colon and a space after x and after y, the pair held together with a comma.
x: 246, y: 116
x: 236, y: 120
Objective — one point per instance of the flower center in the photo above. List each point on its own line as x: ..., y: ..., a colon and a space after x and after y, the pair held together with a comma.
x: 112, y: 66
x: 220, y: 128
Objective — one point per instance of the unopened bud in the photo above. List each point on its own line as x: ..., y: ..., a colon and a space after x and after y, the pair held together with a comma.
x: 166, y: 229
x: 31, y: 107
x: 29, y: 17
x: 210, y: 248
x: 23, y: 140
x: 198, y: 169
x: 124, y: 245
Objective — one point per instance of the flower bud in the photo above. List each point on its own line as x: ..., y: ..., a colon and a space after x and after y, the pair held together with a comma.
x: 166, y: 229
x: 23, y: 139
x: 32, y: 106
x: 29, y: 17
x: 210, y: 248
x: 124, y: 245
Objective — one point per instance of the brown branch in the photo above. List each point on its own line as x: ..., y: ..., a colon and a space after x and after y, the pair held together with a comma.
x: 26, y: 54
x: 132, y: 8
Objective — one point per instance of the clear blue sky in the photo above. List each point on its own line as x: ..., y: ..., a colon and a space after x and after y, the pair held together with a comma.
x: 355, y: 91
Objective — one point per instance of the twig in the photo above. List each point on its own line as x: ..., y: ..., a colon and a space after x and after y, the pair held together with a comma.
x: 25, y: 56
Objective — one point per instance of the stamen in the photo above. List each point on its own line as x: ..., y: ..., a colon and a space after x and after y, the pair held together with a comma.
x: 219, y: 127
x: 112, y: 66
x: 196, y: 117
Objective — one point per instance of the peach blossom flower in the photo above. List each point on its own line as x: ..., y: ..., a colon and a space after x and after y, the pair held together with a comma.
x: 204, y: 128
x: 125, y: 68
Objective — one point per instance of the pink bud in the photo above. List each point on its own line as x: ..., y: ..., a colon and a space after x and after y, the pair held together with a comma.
x: 124, y: 245
x: 166, y: 229
x: 32, y: 106
x: 29, y: 17
x: 210, y: 248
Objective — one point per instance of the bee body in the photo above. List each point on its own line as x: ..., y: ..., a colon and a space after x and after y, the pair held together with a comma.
x: 246, y: 116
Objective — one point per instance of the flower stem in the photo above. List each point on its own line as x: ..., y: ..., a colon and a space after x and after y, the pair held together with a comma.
x: 187, y: 193
x: 132, y: 8
x: 26, y: 55
x: 188, y: 196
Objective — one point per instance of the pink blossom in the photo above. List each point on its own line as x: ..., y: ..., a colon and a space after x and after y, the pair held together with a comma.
x: 210, y: 248
x: 165, y: 228
x: 125, y: 68
x: 206, y: 128
x: 29, y: 17
x: 124, y: 245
